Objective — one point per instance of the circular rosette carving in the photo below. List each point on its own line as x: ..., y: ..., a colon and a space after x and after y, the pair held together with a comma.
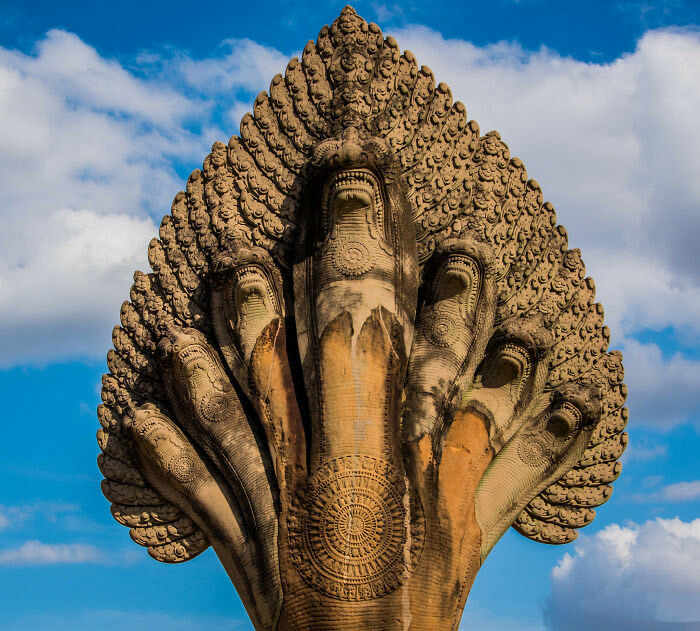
x: 348, y: 534
x: 440, y: 329
x: 184, y: 467
x: 351, y: 257
x: 216, y: 406
x: 535, y: 452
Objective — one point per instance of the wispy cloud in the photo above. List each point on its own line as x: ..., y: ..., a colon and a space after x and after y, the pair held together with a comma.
x: 640, y: 451
x: 14, y: 517
x: 682, y: 491
x: 245, y: 65
x: 38, y: 553
x: 387, y: 12
x: 687, y: 491
x: 653, y: 12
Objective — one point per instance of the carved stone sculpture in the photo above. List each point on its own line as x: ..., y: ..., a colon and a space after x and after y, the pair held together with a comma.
x: 364, y: 352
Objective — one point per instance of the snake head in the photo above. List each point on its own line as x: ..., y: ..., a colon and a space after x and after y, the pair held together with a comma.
x: 511, y: 376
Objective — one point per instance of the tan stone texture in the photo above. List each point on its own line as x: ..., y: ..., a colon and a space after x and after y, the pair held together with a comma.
x: 364, y: 352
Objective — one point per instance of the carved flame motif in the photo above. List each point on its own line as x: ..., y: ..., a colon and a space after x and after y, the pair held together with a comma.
x: 364, y: 352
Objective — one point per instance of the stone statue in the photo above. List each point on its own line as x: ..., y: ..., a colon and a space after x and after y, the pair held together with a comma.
x: 364, y: 352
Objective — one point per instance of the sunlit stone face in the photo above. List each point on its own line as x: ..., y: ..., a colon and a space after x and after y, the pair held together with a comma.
x: 512, y: 365
x: 253, y: 293
x: 455, y: 278
x: 352, y: 204
x: 253, y: 303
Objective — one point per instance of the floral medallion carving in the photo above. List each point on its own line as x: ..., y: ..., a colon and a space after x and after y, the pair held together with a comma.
x: 348, y: 535
x: 440, y: 329
x: 351, y: 257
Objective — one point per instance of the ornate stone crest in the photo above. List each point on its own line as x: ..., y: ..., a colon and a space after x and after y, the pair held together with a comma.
x: 364, y: 352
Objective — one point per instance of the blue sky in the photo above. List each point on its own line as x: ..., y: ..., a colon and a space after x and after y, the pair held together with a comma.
x: 104, y: 110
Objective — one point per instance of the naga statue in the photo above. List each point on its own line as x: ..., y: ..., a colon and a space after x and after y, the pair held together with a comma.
x: 364, y: 352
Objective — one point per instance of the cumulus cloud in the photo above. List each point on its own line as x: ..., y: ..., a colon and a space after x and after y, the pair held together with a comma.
x: 38, y: 553
x: 632, y: 577
x: 88, y: 159
x: 225, y: 73
x: 665, y: 390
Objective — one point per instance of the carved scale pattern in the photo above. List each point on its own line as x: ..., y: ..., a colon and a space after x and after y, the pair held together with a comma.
x: 459, y: 183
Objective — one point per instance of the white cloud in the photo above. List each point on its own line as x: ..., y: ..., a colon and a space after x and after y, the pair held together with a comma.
x: 88, y: 157
x: 38, y: 553
x: 78, y: 131
x: 612, y: 144
x: 12, y: 516
x: 624, y: 578
x: 65, y: 63
x: 664, y: 390
x: 88, y: 154
x: 682, y: 491
x: 77, y: 266
x: 641, y: 451
x: 653, y: 12
x: 246, y: 65
x: 641, y: 292
x: 387, y: 12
